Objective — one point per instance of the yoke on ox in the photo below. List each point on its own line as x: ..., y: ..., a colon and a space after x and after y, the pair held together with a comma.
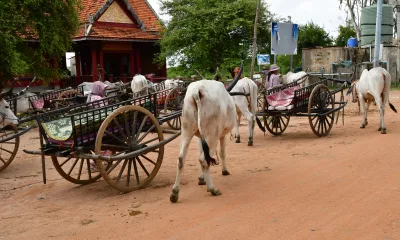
x: 374, y: 85
x: 209, y: 112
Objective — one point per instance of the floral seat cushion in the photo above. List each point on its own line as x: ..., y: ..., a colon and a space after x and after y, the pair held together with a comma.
x: 281, y: 100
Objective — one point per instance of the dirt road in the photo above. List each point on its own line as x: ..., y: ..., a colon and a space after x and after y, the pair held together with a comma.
x: 295, y: 186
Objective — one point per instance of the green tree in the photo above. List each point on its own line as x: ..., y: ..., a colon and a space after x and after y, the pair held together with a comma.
x: 32, y: 32
x: 209, y: 34
x: 312, y: 35
x: 345, y: 32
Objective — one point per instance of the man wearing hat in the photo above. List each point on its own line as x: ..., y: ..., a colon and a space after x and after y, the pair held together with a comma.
x: 265, y: 72
x: 273, y: 78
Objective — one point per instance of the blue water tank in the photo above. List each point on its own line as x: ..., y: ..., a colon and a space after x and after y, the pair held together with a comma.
x: 352, y: 42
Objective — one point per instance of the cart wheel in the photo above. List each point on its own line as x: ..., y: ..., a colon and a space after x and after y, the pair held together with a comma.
x: 173, y: 103
x: 64, y: 98
x: 76, y: 170
x: 124, y: 131
x: 260, y: 98
x: 276, y: 125
x: 320, y: 102
x: 8, y: 149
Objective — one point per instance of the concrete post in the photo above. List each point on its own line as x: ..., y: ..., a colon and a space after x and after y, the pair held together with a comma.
x: 378, y: 32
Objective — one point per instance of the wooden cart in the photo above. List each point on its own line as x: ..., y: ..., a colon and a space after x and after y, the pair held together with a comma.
x: 124, y: 139
x: 316, y: 101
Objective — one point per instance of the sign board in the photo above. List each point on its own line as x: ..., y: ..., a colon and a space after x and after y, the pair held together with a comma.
x: 284, y: 38
x: 263, y: 59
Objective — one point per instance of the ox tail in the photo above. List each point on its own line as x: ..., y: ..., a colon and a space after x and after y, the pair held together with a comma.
x: 210, y: 161
x: 392, y: 107
x: 253, y: 103
x: 387, y: 80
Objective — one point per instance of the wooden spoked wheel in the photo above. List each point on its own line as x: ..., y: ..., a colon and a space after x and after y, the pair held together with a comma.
x: 260, y: 98
x: 76, y: 170
x: 173, y: 103
x: 8, y: 148
x: 129, y: 129
x: 320, y: 103
x: 276, y: 125
x: 65, y: 98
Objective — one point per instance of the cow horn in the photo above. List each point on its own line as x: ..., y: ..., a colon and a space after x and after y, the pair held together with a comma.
x: 236, y: 79
x: 199, y: 74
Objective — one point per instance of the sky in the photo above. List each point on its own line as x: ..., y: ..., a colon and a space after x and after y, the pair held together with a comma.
x: 325, y: 13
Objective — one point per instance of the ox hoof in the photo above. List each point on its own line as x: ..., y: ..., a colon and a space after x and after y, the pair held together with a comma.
x: 237, y: 140
x: 379, y: 129
x: 201, y: 181
x: 174, y: 196
x: 225, y: 173
x: 250, y: 144
x: 383, y: 131
x: 214, y: 192
x: 362, y: 126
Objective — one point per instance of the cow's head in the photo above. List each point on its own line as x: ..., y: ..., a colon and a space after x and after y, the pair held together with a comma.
x: 7, y: 117
x: 236, y: 79
x: 353, y: 90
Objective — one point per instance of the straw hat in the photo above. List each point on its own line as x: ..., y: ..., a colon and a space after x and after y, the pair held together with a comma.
x: 273, y: 67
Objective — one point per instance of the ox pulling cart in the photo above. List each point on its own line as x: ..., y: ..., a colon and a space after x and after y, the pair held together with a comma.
x: 316, y: 101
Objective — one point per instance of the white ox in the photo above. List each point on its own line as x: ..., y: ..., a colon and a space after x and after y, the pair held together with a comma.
x: 291, y: 77
x: 246, y: 105
x: 139, y: 83
x: 374, y: 85
x: 172, y: 83
x: 7, y: 117
x: 209, y: 112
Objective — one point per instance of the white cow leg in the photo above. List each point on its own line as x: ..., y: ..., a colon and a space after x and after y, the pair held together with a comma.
x: 237, y: 125
x: 222, y: 155
x: 366, y: 112
x: 180, y: 164
x: 363, y: 114
x: 382, y: 126
x: 212, y: 144
x: 251, y: 121
x: 201, y: 156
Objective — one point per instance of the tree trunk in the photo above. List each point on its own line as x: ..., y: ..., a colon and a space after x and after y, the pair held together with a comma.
x: 353, y: 19
x: 255, y: 39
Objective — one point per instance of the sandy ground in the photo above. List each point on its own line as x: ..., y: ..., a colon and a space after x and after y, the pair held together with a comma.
x: 295, y: 186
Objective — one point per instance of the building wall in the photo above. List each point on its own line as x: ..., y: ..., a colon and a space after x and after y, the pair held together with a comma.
x: 317, y: 58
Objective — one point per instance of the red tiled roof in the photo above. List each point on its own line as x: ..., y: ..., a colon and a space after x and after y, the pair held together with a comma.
x: 145, y: 14
x: 123, y: 33
x: 140, y: 8
x: 89, y: 7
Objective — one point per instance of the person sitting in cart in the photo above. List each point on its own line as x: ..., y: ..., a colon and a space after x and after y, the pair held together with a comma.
x: 98, y: 93
x: 273, y: 78
x: 265, y: 72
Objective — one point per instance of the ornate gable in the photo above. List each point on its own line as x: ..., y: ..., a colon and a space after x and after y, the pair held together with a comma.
x: 115, y: 14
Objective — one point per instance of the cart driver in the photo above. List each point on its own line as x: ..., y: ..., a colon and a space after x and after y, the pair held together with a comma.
x: 273, y: 78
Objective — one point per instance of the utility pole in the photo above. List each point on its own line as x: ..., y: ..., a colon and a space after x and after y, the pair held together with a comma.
x: 378, y: 32
x: 291, y: 56
x: 253, y: 60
